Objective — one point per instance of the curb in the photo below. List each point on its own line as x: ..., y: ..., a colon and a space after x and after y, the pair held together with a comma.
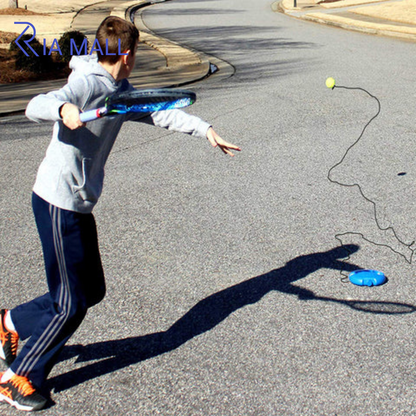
x: 365, y: 27
x: 175, y: 54
x: 198, y: 65
x: 332, y: 19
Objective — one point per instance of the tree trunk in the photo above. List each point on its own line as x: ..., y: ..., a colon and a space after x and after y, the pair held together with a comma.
x: 13, y: 4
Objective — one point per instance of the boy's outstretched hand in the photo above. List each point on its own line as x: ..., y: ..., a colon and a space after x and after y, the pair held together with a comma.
x: 216, y: 140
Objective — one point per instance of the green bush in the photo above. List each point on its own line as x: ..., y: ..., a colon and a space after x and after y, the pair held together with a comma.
x: 37, y: 64
x: 65, y: 44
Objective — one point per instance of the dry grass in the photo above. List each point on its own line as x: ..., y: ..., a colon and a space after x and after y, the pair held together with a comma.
x: 7, y: 37
x: 403, y: 11
x: 20, y: 12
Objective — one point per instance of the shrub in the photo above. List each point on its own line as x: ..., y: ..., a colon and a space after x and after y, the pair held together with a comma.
x: 37, y: 64
x: 65, y: 44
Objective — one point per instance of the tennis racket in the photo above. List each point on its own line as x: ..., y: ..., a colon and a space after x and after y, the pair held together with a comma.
x: 141, y: 101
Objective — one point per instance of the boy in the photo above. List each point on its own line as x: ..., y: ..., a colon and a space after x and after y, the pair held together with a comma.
x: 67, y: 187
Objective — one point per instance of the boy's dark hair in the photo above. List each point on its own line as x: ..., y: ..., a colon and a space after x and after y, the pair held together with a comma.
x: 112, y: 32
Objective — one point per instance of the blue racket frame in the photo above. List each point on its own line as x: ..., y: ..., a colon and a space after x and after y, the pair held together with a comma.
x: 141, y: 101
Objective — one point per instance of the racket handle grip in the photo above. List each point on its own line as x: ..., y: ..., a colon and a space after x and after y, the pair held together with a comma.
x: 90, y: 115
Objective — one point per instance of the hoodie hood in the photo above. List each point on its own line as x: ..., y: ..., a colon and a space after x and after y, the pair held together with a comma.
x: 87, y: 65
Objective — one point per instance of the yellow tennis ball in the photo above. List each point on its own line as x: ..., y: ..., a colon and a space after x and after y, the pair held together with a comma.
x: 330, y: 82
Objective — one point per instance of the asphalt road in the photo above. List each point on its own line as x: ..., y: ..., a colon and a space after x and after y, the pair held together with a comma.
x: 225, y: 286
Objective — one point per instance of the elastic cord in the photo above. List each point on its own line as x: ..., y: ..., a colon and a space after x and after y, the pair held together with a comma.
x: 384, y: 229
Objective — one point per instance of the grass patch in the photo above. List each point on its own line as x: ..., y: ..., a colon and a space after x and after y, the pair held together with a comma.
x: 20, y: 12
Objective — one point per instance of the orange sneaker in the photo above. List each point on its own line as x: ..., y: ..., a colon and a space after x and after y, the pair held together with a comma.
x: 9, y: 341
x: 20, y: 393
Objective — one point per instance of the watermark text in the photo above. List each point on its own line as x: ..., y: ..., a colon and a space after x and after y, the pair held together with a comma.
x: 73, y: 48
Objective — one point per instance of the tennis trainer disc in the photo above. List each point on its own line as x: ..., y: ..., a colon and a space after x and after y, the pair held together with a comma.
x: 367, y: 277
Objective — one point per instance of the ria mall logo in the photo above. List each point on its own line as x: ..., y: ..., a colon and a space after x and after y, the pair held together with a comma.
x: 79, y: 50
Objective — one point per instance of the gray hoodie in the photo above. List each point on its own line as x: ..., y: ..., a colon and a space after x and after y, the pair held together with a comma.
x: 72, y: 173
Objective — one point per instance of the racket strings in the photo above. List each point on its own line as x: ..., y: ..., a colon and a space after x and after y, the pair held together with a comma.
x: 150, y: 105
x: 389, y: 228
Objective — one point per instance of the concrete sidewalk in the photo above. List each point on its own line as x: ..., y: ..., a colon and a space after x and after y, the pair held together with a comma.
x: 395, y: 18
x: 160, y: 63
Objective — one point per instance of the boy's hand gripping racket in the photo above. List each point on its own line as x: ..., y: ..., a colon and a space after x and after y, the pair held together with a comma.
x: 141, y: 101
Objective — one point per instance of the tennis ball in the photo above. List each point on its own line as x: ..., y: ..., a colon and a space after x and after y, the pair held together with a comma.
x: 330, y: 83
